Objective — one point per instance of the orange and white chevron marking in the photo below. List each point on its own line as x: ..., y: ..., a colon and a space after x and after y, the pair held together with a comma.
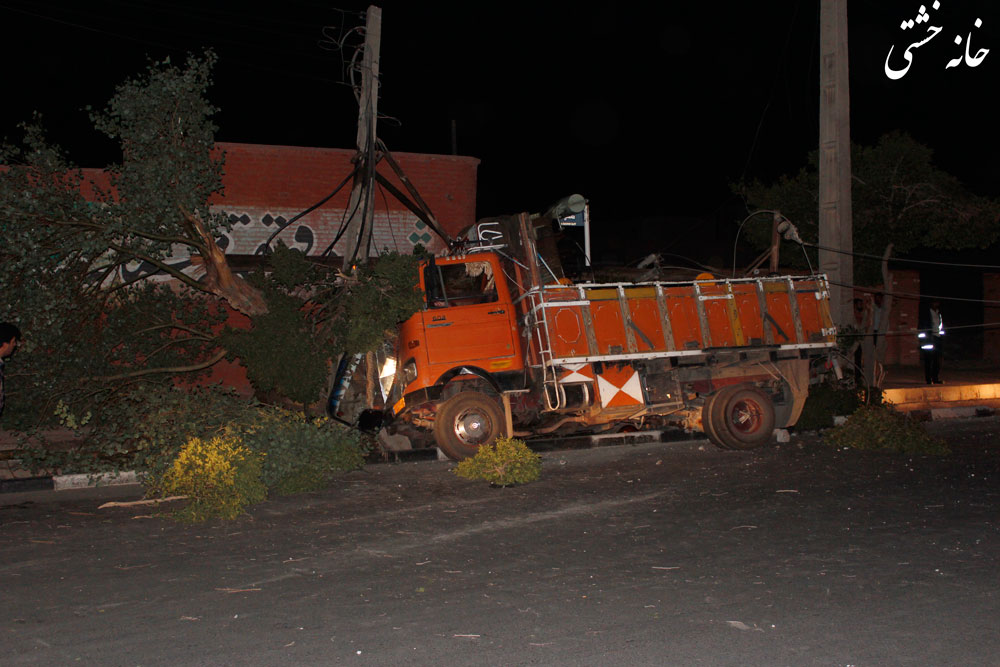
x: 619, y: 386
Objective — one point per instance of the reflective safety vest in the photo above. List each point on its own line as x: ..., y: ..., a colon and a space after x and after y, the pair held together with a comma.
x: 929, y: 340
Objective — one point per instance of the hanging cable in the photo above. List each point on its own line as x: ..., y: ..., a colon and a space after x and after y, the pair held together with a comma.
x: 745, y: 221
x: 341, y: 230
x: 911, y: 295
x: 901, y: 259
x: 951, y: 327
x: 281, y: 228
x: 388, y: 218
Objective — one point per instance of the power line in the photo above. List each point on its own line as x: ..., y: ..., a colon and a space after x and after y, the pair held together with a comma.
x: 774, y: 85
x: 901, y: 259
x: 911, y: 295
x: 911, y: 332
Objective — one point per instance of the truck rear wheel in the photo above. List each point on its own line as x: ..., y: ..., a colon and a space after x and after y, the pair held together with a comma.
x: 465, y: 422
x: 743, y: 417
x: 708, y: 424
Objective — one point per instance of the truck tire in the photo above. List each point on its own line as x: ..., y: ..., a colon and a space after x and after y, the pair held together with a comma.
x: 708, y: 424
x: 743, y: 417
x: 466, y: 421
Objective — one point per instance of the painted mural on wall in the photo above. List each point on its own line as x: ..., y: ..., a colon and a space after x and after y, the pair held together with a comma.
x: 250, y: 229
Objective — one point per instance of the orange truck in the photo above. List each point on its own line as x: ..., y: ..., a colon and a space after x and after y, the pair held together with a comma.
x: 506, y: 345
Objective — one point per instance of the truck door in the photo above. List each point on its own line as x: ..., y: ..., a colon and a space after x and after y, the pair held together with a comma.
x: 465, y: 320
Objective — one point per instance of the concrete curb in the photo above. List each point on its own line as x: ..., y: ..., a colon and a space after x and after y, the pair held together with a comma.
x: 959, y: 412
x: 64, y: 482
x: 69, y: 482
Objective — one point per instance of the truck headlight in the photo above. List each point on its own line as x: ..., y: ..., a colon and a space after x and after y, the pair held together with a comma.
x: 386, y: 375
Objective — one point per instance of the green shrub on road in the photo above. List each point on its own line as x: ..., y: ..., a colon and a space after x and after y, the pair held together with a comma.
x: 220, y: 477
x: 825, y: 401
x: 300, y: 453
x: 881, y: 428
x: 504, y: 463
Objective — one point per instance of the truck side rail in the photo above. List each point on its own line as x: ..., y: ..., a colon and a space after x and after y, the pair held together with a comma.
x: 614, y: 322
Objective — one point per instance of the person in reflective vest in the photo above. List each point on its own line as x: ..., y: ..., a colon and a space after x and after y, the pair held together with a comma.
x: 930, y: 338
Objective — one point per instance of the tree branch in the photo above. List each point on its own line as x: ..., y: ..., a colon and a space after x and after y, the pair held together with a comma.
x: 180, y: 275
x: 175, y: 342
x: 173, y: 370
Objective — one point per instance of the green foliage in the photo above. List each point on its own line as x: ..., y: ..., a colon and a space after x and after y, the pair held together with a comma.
x: 96, y: 340
x: 881, y: 428
x: 506, y: 462
x: 142, y: 428
x: 67, y: 238
x: 301, y: 453
x: 827, y: 400
x: 384, y: 294
x: 169, y: 168
x: 145, y: 429
x: 281, y: 351
x: 313, y: 315
x: 290, y: 268
x: 898, y: 196
x: 220, y: 477
x: 69, y: 419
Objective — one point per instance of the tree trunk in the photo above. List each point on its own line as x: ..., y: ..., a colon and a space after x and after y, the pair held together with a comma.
x: 220, y: 279
x: 874, y: 344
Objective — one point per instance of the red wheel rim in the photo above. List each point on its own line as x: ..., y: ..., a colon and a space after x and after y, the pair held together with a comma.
x: 745, y: 416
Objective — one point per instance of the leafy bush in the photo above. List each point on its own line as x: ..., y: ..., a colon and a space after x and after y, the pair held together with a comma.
x: 146, y: 428
x: 281, y: 353
x: 384, y: 295
x: 300, y: 453
x: 881, y: 428
x: 142, y: 429
x: 506, y: 462
x: 826, y: 400
x: 220, y: 476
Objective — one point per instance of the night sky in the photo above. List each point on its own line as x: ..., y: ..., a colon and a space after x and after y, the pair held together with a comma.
x: 650, y: 113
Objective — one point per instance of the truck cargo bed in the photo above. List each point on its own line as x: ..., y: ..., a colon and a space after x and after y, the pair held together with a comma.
x: 627, y: 321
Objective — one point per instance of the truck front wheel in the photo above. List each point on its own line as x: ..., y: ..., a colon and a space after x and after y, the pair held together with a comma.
x: 742, y: 416
x: 466, y: 421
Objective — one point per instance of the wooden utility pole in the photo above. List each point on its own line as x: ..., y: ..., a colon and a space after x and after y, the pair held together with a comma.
x: 835, y: 223
x: 361, y: 206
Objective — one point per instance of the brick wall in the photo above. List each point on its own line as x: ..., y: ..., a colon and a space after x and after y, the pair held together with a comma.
x: 267, y: 185
x: 901, y: 345
x: 902, y: 349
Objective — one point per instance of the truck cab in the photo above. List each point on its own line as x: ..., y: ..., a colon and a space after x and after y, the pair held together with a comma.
x: 465, y: 339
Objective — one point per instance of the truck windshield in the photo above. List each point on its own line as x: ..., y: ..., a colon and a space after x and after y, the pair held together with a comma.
x: 451, y: 285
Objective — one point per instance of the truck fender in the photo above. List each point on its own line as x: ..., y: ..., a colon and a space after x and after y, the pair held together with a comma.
x: 450, y: 375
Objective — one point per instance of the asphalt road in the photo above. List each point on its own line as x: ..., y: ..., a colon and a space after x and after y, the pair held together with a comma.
x: 654, y: 554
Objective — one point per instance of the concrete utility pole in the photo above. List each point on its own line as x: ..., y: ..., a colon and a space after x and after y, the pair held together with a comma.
x: 361, y: 206
x: 835, y: 222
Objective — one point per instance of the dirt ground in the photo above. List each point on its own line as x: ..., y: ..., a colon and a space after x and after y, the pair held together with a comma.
x: 663, y: 553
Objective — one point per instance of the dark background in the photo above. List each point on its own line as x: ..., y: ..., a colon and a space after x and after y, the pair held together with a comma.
x: 650, y: 113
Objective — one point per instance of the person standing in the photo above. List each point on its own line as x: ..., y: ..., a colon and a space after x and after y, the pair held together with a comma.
x: 10, y: 336
x: 930, y: 343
